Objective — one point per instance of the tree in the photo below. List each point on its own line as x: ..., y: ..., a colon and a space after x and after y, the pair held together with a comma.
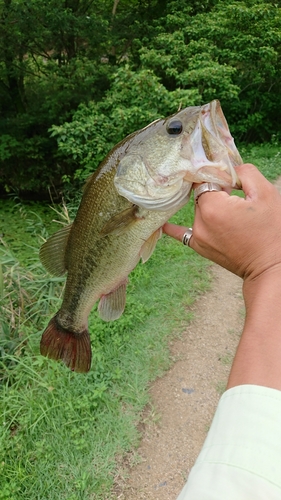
x: 61, y: 62
x: 231, y: 52
x: 46, y: 71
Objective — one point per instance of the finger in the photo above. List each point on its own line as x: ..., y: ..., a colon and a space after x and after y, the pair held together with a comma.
x: 177, y: 232
x: 210, y: 197
x: 215, y: 188
x: 253, y: 182
x: 174, y: 231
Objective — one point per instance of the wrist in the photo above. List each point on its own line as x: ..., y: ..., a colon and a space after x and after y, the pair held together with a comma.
x: 263, y: 291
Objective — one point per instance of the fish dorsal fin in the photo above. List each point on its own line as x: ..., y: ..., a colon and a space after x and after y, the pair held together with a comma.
x: 52, y: 252
x: 121, y: 222
x: 112, y: 305
x: 148, y: 247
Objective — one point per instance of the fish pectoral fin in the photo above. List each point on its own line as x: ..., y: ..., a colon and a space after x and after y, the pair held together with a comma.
x: 121, y: 222
x: 148, y: 247
x: 112, y: 305
x: 52, y: 253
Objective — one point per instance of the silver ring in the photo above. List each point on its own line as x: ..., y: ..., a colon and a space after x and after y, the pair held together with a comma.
x: 187, y: 236
x: 204, y: 188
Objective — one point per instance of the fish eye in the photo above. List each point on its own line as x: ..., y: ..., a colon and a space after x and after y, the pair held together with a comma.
x: 174, y: 127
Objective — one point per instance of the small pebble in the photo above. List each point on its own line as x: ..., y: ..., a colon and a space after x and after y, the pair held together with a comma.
x: 187, y: 391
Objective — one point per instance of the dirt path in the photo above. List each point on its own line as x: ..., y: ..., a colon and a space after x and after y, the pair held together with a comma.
x: 185, y: 399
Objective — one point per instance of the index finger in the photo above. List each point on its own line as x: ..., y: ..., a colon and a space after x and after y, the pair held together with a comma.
x: 174, y: 230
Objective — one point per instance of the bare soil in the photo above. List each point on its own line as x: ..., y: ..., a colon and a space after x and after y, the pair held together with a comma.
x: 185, y: 399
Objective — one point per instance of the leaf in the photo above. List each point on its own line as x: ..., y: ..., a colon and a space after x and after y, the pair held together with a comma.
x: 1, y: 282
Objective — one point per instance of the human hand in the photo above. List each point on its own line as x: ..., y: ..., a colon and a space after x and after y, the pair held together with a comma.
x: 241, y: 235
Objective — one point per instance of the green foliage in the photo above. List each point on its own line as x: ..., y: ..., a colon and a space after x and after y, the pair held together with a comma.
x: 265, y: 156
x: 55, y: 55
x: 94, y: 72
x: 45, y: 73
x: 60, y: 431
x: 28, y: 294
x: 235, y: 59
x: 27, y: 230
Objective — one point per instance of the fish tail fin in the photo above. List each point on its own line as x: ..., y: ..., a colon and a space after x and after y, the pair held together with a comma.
x: 74, y: 349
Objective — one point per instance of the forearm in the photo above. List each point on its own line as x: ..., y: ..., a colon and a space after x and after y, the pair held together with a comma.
x: 258, y: 357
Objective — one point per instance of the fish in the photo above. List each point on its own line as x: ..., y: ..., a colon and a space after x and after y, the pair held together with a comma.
x: 144, y: 180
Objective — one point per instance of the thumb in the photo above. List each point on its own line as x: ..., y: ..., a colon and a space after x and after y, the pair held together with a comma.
x: 254, y: 184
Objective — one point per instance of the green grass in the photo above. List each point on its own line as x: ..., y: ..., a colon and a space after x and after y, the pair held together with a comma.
x: 63, y: 435
x: 23, y: 224
x: 267, y: 157
x: 61, y: 432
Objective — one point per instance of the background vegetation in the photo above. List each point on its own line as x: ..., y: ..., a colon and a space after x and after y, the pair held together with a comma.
x: 64, y: 435
x: 76, y: 76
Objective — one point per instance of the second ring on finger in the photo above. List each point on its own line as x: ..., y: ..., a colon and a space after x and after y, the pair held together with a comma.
x: 187, y: 237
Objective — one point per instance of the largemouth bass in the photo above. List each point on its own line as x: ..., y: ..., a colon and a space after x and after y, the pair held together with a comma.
x: 142, y: 182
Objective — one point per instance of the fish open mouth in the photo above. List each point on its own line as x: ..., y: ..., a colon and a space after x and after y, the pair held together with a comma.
x: 214, y: 153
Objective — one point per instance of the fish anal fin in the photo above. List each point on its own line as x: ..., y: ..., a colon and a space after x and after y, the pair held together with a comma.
x: 121, y: 222
x: 52, y: 252
x: 74, y: 349
x: 112, y: 305
x: 148, y: 247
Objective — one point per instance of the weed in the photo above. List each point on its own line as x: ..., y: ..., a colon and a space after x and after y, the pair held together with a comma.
x: 226, y: 359
x: 220, y: 387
